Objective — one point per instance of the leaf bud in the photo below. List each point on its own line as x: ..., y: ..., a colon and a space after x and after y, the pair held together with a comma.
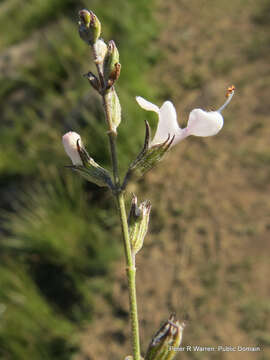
x: 89, y: 26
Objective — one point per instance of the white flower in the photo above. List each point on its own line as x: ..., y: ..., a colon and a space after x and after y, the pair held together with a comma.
x: 70, y: 140
x: 200, y: 122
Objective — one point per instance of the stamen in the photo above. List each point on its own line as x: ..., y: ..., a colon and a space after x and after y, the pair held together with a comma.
x: 229, y: 95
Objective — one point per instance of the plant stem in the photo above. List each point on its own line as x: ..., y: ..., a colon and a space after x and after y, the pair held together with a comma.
x: 131, y: 275
x: 119, y: 195
x: 130, y: 269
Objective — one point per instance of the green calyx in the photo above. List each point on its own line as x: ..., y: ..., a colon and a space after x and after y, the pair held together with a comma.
x: 113, y: 109
x: 91, y: 171
x: 138, y: 223
x: 166, y: 341
x: 149, y: 156
x: 111, y: 65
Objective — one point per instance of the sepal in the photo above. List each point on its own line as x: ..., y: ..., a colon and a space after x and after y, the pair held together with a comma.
x: 91, y: 171
x: 111, y: 65
x: 149, y: 156
x: 113, y: 109
x: 114, y: 75
x: 138, y: 223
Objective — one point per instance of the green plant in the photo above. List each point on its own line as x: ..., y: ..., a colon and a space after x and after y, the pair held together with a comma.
x: 168, y: 133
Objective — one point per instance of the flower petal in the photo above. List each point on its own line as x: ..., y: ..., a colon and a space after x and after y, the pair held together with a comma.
x: 101, y: 50
x: 70, y: 144
x: 203, y: 123
x: 167, y: 125
x: 147, y: 105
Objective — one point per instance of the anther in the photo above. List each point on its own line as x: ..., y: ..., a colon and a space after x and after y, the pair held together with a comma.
x: 229, y: 95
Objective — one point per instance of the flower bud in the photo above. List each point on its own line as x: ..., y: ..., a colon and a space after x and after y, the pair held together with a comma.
x: 138, y: 223
x: 101, y: 50
x: 70, y: 141
x: 111, y: 66
x: 168, y: 338
x: 113, y: 109
x: 89, y: 26
x: 83, y: 163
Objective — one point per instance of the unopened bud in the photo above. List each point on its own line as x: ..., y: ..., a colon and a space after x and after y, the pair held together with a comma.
x: 114, y: 109
x: 70, y: 141
x: 138, y: 223
x: 101, y: 50
x: 83, y: 163
x: 89, y: 26
x: 111, y: 67
x: 166, y: 341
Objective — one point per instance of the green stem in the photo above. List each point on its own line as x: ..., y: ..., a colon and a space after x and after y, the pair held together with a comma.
x: 119, y: 195
x: 131, y: 272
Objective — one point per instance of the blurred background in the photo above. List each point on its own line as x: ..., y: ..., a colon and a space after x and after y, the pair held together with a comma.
x: 63, y: 292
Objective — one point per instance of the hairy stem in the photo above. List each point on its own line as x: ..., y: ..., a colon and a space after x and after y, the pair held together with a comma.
x: 130, y: 269
x: 131, y: 275
x: 119, y: 195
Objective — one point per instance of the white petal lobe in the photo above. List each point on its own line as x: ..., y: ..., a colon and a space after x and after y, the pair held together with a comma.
x: 203, y: 123
x: 70, y: 144
x: 167, y: 124
x: 147, y: 105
